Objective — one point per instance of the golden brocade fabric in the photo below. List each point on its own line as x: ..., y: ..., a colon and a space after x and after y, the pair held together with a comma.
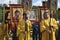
x: 21, y: 30
x: 45, y: 25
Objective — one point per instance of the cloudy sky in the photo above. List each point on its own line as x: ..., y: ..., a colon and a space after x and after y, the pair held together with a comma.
x: 34, y: 2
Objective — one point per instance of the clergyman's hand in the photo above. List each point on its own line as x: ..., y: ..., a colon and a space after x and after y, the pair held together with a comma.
x: 48, y: 31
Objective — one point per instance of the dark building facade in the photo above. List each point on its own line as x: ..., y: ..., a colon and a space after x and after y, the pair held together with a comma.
x: 45, y: 3
x: 58, y: 10
x: 27, y: 4
x: 52, y: 4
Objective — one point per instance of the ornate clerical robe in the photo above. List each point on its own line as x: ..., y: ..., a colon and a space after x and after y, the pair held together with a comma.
x: 21, y: 29
x: 45, y: 26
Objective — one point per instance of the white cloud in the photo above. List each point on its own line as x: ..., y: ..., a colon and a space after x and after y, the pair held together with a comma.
x: 1, y: 1
x: 38, y: 3
x: 6, y: 2
x: 58, y: 4
x: 12, y: 1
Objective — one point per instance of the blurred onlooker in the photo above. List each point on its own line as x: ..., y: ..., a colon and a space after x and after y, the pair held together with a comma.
x: 35, y: 30
x: 58, y: 38
x: 14, y: 23
x: 6, y: 23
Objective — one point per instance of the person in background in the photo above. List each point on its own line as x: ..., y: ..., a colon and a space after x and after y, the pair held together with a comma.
x: 35, y: 30
x: 28, y: 26
x: 48, y: 27
x: 7, y: 16
x: 58, y: 37
x: 6, y: 23
x: 14, y: 23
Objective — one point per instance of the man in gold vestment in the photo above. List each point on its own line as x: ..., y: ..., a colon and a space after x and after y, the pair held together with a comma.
x: 24, y: 27
x: 48, y: 27
x: 28, y: 26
